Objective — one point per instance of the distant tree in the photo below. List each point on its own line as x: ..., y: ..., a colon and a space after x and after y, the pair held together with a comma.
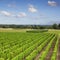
x: 42, y: 27
x: 55, y: 26
x: 59, y: 26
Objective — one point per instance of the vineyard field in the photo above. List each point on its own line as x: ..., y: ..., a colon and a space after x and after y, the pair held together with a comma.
x: 28, y: 46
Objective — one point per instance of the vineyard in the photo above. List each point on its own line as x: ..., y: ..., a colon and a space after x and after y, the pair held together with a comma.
x: 28, y: 46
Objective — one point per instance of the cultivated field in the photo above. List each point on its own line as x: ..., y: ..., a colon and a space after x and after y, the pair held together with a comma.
x: 24, y: 45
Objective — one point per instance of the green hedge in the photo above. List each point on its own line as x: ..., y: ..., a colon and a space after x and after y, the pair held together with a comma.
x: 37, y: 31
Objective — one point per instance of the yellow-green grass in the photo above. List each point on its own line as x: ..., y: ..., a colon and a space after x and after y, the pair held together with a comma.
x: 24, y: 30
x: 13, y: 30
x: 54, y: 31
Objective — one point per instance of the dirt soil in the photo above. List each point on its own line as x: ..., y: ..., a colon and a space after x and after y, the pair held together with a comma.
x: 58, y: 53
x: 38, y: 56
x: 48, y: 57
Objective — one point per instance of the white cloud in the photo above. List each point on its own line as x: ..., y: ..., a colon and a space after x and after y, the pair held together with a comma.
x: 32, y: 9
x: 52, y: 3
x: 12, y: 5
x: 5, y: 13
x: 22, y: 14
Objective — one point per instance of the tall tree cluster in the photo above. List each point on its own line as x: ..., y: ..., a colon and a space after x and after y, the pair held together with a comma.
x: 54, y: 26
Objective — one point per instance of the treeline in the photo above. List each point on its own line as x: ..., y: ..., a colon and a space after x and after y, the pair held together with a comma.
x: 54, y: 26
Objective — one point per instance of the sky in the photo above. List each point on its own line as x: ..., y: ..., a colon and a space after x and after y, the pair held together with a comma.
x: 24, y: 12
